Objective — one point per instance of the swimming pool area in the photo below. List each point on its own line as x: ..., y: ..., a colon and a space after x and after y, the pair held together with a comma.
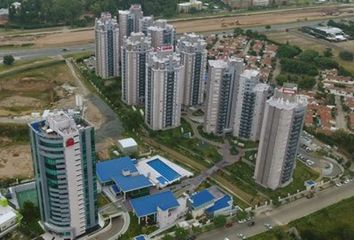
x: 166, y: 171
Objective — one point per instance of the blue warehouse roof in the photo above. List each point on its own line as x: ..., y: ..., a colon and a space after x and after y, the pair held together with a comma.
x: 148, y: 205
x: 123, y: 173
x: 200, y: 198
x: 222, y: 203
x: 140, y: 237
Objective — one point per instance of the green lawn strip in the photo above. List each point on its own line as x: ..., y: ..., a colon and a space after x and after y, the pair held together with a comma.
x: 242, y: 174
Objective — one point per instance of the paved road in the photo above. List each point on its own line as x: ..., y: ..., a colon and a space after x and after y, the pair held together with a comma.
x: 284, y: 214
x: 117, y: 225
x: 30, y: 53
x: 340, y: 118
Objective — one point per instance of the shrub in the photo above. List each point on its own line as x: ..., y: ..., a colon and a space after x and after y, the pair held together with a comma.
x: 8, y: 60
x: 346, y: 56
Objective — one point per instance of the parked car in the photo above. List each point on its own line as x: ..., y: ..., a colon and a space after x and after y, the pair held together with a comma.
x: 268, y: 226
x: 241, y: 236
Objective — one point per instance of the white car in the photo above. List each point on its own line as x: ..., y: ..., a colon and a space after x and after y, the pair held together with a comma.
x: 346, y: 181
x: 338, y: 184
x: 226, y: 239
x: 268, y: 226
x: 241, y: 236
x: 309, y: 162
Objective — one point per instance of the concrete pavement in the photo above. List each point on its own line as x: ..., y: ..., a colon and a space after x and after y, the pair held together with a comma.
x: 284, y: 214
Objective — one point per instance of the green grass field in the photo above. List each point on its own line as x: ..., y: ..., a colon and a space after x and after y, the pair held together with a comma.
x: 242, y: 175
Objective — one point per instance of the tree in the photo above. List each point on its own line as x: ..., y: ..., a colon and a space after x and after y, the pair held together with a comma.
x: 288, y: 51
x: 219, y: 221
x: 181, y: 234
x: 8, y: 60
x: 328, y: 52
x: 238, y: 31
x: 308, y: 55
x: 168, y: 237
x: 268, y: 27
x: 346, y: 56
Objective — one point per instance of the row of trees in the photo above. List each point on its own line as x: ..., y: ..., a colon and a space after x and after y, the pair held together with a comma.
x: 38, y: 13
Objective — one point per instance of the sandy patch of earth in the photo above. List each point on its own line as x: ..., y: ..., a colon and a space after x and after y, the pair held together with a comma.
x: 65, y: 38
x: 16, y: 161
x: 20, y: 101
x: 26, y: 84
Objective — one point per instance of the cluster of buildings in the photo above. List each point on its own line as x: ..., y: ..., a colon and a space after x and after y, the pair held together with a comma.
x: 68, y: 180
x: 165, y: 75
x: 186, y: 7
x: 157, y: 72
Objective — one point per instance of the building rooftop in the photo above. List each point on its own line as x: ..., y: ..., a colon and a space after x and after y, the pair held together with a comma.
x: 222, y: 203
x: 331, y: 30
x: 128, y: 142
x: 123, y: 173
x: 201, y: 198
x: 149, y: 205
x: 141, y: 237
x: 6, y: 212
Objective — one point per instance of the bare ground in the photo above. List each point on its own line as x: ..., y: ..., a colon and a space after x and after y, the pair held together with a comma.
x: 16, y: 161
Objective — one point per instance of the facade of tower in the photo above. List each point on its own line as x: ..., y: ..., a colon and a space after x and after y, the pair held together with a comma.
x: 280, y: 136
x: 162, y: 34
x: 107, y: 46
x: 192, y: 49
x: 251, y: 97
x: 129, y: 21
x: 145, y: 23
x: 164, y: 89
x: 63, y: 152
x: 134, y: 51
x: 223, y: 76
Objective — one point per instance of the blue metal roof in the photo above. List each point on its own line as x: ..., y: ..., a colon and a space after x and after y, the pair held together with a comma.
x: 166, y: 171
x: 220, y: 204
x: 162, y: 180
x: 140, y: 237
x: 148, y: 205
x: 131, y: 183
x: 200, y: 198
x: 112, y: 170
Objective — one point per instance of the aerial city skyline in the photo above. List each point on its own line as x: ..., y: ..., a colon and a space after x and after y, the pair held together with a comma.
x: 196, y: 120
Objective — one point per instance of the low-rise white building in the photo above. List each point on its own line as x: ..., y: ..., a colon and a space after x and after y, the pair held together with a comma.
x: 8, y: 217
x: 186, y: 7
x: 128, y: 145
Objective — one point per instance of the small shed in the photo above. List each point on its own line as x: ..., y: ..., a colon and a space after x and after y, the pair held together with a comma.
x: 128, y: 145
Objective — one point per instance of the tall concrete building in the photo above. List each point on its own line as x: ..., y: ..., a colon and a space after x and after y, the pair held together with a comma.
x: 280, y: 135
x: 251, y: 97
x: 162, y: 33
x: 63, y: 152
x: 164, y: 89
x: 134, y: 54
x: 192, y: 49
x: 129, y: 21
x: 223, y: 77
x: 145, y: 23
x: 107, y: 46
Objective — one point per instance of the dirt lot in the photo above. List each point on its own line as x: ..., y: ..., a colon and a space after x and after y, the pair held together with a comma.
x: 65, y: 39
x: 35, y: 90
x: 16, y: 161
